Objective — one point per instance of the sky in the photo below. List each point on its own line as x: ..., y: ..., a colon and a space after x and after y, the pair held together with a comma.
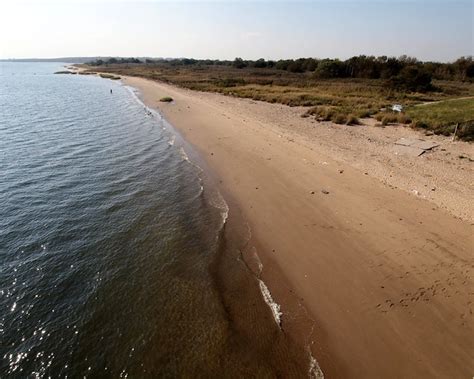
x: 429, y: 30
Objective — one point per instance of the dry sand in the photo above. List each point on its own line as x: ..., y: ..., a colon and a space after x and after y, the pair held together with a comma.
x: 376, y: 247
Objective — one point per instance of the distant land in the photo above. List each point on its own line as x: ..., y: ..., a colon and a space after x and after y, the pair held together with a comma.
x: 65, y: 60
x: 68, y: 59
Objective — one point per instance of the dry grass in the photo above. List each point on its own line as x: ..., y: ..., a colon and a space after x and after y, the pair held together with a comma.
x: 389, y: 117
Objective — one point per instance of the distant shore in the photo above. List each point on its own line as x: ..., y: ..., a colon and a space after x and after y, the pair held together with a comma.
x: 349, y: 234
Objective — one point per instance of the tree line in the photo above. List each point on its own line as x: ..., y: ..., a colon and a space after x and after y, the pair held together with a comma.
x: 403, y: 72
x: 368, y: 67
x: 100, y: 62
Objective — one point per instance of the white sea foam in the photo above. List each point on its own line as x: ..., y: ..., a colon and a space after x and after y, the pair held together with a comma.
x: 314, y: 371
x: 257, y: 259
x: 275, y: 307
x: 149, y: 111
x: 183, y: 154
x: 217, y: 201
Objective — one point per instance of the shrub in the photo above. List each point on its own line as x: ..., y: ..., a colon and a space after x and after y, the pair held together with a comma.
x: 326, y: 114
x: 404, y: 119
x: 466, y: 131
x: 389, y: 118
x: 379, y: 116
x: 339, y: 118
x: 363, y: 113
x: 352, y: 120
x: 419, y: 125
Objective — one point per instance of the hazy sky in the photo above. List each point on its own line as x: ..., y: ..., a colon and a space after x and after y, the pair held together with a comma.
x: 429, y: 30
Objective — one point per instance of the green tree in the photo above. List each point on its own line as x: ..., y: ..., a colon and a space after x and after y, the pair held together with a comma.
x: 412, y: 78
x: 331, y: 68
x: 239, y: 63
x: 260, y: 63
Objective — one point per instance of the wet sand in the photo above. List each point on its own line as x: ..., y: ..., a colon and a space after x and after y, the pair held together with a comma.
x: 385, y: 275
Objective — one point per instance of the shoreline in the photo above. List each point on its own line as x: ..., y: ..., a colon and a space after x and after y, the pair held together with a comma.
x: 238, y: 262
x: 325, y: 278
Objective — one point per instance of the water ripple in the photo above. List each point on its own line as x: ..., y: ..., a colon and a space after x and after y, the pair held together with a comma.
x: 99, y: 214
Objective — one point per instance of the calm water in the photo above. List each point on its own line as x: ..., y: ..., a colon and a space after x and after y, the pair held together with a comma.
x: 104, y: 234
x: 109, y: 244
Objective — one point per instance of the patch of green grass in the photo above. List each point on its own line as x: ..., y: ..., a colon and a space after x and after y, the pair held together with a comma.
x: 166, y: 99
x: 448, y: 111
x: 441, y: 117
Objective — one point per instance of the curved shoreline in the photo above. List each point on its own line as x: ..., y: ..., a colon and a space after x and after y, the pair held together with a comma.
x: 346, y: 255
x: 237, y: 238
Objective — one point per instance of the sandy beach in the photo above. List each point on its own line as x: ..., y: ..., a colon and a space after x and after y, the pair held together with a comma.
x: 374, y: 247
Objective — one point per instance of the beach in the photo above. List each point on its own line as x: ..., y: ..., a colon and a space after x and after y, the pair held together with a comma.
x: 368, y: 253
